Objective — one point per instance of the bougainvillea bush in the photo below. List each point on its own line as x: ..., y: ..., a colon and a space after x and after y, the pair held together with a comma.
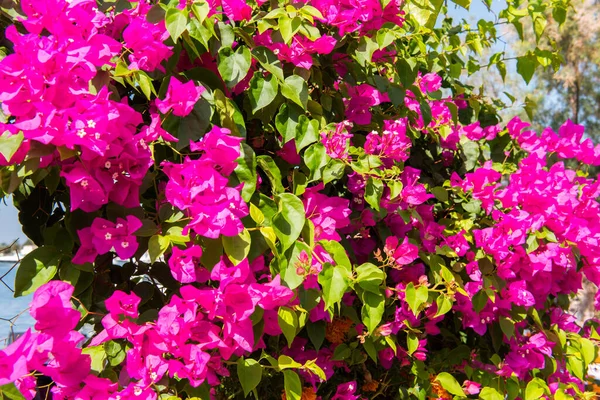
x: 289, y: 200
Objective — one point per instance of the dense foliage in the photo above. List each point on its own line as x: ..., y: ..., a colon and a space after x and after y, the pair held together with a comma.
x: 328, y: 211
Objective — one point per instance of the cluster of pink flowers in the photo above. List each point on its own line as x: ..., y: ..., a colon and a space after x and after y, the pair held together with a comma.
x: 192, y: 336
x: 199, y: 187
x: 363, y: 16
x: 392, y: 145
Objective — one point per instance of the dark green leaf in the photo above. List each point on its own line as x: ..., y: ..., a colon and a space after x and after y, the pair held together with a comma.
x: 36, y: 269
x: 373, y: 192
x: 526, y: 66
x: 269, y: 61
x: 246, y: 171
x: 267, y: 164
x: 262, y: 91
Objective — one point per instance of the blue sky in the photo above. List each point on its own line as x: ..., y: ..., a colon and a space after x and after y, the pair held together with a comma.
x: 9, y: 220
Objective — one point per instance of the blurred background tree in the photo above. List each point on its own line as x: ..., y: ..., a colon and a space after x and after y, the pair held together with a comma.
x: 574, y: 91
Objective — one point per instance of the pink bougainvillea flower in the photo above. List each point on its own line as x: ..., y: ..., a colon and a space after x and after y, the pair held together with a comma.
x: 181, y: 97
x: 403, y: 253
x: 52, y: 310
x: 185, y: 265
x: 289, y: 153
x: 220, y: 148
x: 327, y: 213
x: 86, y: 192
x: 392, y: 144
x: 118, y: 236
x: 336, y: 141
x: 146, y: 42
x: 430, y: 82
x: 471, y: 387
x: 360, y: 99
x: 346, y: 391
x: 121, y: 303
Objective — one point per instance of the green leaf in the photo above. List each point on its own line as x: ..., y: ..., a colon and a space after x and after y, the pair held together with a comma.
x: 444, y: 304
x: 316, y: 333
x: 115, y: 352
x: 288, y: 27
x: 416, y: 297
x: 559, y: 13
x: 333, y: 170
x: 98, y: 356
x: 539, y: 25
x: 471, y: 151
x: 36, y: 269
x: 246, y: 171
x: 526, y: 66
x: 369, y: 347
x: 425, y: 12
x: 372, y: 309
x: 10, y: 392
x: 507, y: 326
x: 176, y: 21
x: 535, y: 389
x: 249, y: 372
x: 9, y: 144
x: 315, y: 158
x: 286, y: 362
x: 289, y: 220
x: 233, y: 65
x: 334, y: 280
x: 269, y: 61
x: 307, y: 132
x: 262, y: 91
x: 501, y: 67
x: 373, y: 192
x: 145, y: 83
x: 369, y: 277
x: 191, y: 127
x: 412, y: 343
x: 406, y: 72
x: 237, y: 247
x: 286, y: 121
x: 365, y: 50
x: 338, y: 253
x: 157, y: 246
x: 267, y: 164
x: 449, y: 383
x: 489, y: 393
x: 200, y: 9
x: 463, y: 3
x: 588, y: 350
x: 440, y: 193
x: 295, y: 89
x: 292, y: 385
